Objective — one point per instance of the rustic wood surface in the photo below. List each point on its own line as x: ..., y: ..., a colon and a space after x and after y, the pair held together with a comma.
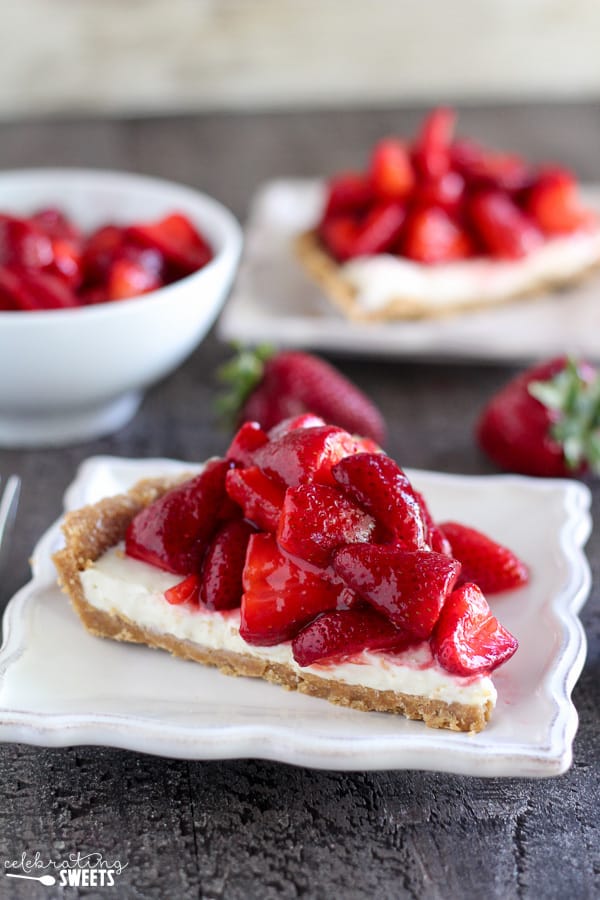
x: 253, y: 829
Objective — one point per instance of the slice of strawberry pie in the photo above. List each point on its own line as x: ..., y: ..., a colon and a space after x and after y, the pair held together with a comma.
x: 307, y: 559
x: 442, y: 224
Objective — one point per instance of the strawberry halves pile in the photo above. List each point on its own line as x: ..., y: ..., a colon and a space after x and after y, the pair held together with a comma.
x: 322, y: 541
x: 438, y: 199
x: 47, y: 263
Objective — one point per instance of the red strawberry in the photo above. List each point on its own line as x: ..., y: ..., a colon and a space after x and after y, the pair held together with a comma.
x: 172, y: 533
x: 346, y: 237
x: 275, y: 387
x: 431, y: 236
x: 259, y: 496
x: 431, y: 150
x: 392, y: 174
x: 316, y: 520
x: 485, y: 168
x: 555, y: 205
x: 128, y: 278
x: 434, y: 534
x: 447, y: 192
x: 186, y: 591
x: 408, y: 587
x: 33, y: 290
x: 246, y: 441
x: 306, y: 454
x: 281, y: 595
x: 379, y: 485
x: 178, y: 241
x: 101, y: 250
x: 468, y: 639
x: 304, y: 420
x: 505, y: 230
x: 23, y: 244
x: 544, y: 421
x: 221, y: 584
x: 491, y: 566
x: 335, y: 636
x: 350, y: 192
x: 56, y: 225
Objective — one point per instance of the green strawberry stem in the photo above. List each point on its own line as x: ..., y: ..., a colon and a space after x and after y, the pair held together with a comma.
x: 575, y: 401
x: 239, y: 376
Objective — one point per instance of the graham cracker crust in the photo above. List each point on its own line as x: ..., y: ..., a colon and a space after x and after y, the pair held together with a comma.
x: 328, y: 274
x: 91, y: 531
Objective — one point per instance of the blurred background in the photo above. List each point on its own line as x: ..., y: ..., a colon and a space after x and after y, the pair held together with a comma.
x: 143, y: 57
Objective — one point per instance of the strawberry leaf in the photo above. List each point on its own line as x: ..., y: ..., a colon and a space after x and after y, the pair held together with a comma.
x: 239, y: 376
x: 574, y: 401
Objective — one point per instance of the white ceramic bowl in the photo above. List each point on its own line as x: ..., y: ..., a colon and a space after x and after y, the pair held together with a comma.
x: 70, y: 375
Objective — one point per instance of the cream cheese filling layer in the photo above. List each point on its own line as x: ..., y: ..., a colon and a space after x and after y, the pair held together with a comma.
x: 117, y: 584
x: 380, y: 279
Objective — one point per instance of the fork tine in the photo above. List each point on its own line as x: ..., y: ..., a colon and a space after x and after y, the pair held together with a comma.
x: 8, y: 506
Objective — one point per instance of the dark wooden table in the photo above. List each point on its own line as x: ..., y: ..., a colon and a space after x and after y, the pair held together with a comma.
x: 253, y: 829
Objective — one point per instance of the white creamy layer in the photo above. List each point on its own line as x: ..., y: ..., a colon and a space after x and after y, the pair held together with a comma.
x: 379, y: 279
x: 118, y: 584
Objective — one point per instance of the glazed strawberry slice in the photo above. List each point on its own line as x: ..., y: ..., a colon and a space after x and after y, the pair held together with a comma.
x: 41, y: 291
x: 260, y: 497
x: 176, y: 239
x: 317, y: 519
x: 23, y: 244
x: 246, y: 441
x: 304, y: 420
x: 379, y: 485
x: 431, y: 150
x: 101, y: 250
x: 483, y: 168
x: 346, y: 237
x: 488, y: 564
x: 186, y: 591
x: 282, y: 595
x: 221, y: 582
x: 335, y: 636
x: 468, y: 639
x: 434, y: 534
x: 408, y: 587
x: 13, y: 293
x: 56, y: 225
x: 128, y: 278
x: 431, y: 236
x: 67, y: 262
x: 447, y: 193
x: 555, y: 205
x: 506, y: 231
x: 391, y: 170
x: 306, y: 454
x: 173, y: 532
x: 350, y: 192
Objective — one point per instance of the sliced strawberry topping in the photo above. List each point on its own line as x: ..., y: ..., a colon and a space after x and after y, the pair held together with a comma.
x: 246, y: 441
x: 186, y: 591
x: 391, y: 170
x: 408, y: 587
x: 447, y: 192
x: 433, y: 237
x: 259, y: 496
x: 176, y: 239
x: 282, y: 595
x: 224, y: 564
x: 491, y: 566
x: 506, y: 231
x: 468, y: 639
x: 434, y: 534
x: 379, y: 485
x: 128, y: 278
x: 431, y: 151
x: 304, y: 420
x: 24, y: 244
x: 316, y: 520
x: 484, y: 168
x: 335, y: 636
x: 172, y: 533
x: 306, y: 454
x: 32, y: 290
x: 350, y: 192
x: 555, y: 205
x: 346, y: 237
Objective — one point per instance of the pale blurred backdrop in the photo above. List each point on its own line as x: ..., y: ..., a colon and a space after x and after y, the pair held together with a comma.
x: 157, y: 56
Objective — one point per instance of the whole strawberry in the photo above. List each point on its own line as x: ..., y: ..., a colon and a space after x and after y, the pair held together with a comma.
x: 267, y: 387
x: 546, y: 421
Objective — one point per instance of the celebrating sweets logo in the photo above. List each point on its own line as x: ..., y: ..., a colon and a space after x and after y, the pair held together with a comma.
x: 76, y: 870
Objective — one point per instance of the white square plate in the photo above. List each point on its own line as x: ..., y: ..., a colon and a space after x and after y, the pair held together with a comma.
x: 59, y: 686
x: 273, y: 300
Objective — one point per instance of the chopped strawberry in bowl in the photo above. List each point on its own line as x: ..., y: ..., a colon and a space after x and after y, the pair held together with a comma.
x: 108, y: 281
x: 437, y: 223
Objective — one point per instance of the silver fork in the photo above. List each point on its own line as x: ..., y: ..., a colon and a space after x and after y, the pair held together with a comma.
x: 8, y: 510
